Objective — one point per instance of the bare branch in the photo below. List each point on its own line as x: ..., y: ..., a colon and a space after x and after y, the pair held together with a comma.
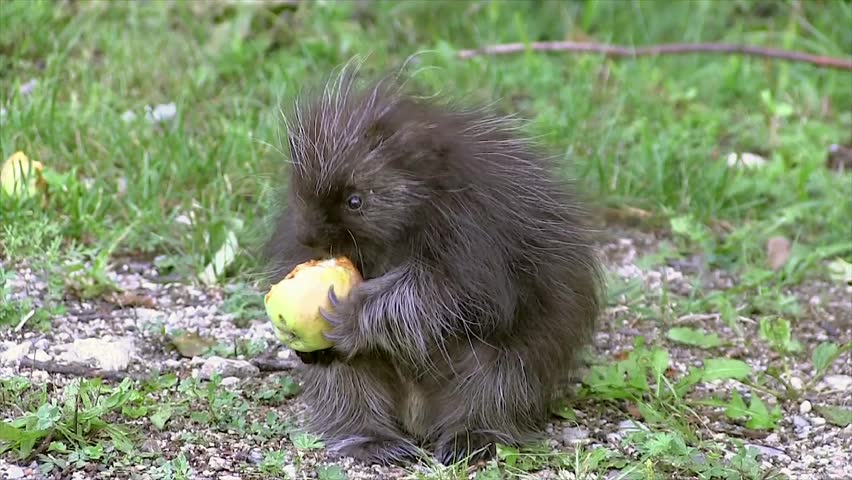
x: 83, y: 371
x: 77, y: 370
x: 664, y: 49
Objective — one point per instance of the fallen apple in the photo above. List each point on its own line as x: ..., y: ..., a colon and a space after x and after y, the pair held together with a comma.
x: 17, y: 170
x: 293, y: 304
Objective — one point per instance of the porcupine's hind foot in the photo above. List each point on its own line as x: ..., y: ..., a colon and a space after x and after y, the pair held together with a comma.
x: 471, y: 446
x: 383, y: 451
x: 352, y: 407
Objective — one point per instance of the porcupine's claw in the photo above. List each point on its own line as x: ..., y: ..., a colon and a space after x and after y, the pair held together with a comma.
x: 332, y: 297
x: 339, y: 318
x: 330, y: 316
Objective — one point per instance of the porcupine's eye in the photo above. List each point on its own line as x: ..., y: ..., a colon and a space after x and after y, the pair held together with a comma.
x: 353, y: 202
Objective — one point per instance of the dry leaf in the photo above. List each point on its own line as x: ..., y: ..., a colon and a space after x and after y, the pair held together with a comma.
x: 777, y: 252
x: 634, y: 412
x: 191, y: 344
x: 130, y: 299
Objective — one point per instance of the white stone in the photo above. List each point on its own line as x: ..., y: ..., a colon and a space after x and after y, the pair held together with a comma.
x: 41, y: 356
x: 217, y: 463
x: 797, y: 383
x: 574, y: 435
x: 111, y: 355
x: 230, y: 381
x: 161, y: 112
x: 15, y: 353
x: 800, y: 422
x: 838, y: 382
x: 14, y: 472
x: 805, y: 407
x: 745, y: 159
x: 227, y: 368
x: 148, y: 314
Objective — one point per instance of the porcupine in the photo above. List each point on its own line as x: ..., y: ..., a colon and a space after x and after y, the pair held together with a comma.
x: 481, y: 285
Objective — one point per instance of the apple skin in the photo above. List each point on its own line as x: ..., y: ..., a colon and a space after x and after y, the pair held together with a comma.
x: 293, y: 304
x: 17, y: 169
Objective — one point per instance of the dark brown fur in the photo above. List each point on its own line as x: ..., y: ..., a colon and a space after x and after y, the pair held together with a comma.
x: 481, y: 285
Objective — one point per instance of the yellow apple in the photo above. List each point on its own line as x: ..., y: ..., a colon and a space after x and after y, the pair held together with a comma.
x: 17, y: 170
x: 293, y: 304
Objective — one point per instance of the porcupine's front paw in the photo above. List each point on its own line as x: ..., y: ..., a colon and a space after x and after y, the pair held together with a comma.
x: 343, y: 319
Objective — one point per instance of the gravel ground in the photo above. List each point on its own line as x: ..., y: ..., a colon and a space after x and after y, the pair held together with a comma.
x: 130, y: 339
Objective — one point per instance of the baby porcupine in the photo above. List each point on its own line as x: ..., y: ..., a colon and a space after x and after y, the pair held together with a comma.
x: 481, y: 285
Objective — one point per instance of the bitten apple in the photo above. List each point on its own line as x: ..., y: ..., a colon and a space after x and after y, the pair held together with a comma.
x: 293, y: 304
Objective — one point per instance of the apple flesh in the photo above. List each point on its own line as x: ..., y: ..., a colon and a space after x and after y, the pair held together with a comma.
x: 293, y: 304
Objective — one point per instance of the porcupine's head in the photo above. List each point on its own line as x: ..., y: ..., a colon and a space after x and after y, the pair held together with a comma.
x: 367, y: 165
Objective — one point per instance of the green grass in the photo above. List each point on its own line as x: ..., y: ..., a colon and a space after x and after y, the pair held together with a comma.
x: 649, y: 133
x: 645, y: 133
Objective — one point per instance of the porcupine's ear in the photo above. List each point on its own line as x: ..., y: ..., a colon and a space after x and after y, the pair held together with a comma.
x: 389, y: 121
x: 416, y: 143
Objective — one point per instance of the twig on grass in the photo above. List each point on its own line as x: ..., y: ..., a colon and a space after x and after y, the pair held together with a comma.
x: 662, y: 49
x: 274, y: 365
x: 81, y: 370
x: 77, y: 370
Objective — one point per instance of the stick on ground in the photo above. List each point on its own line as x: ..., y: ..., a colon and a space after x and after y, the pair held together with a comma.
x: 663, y: 49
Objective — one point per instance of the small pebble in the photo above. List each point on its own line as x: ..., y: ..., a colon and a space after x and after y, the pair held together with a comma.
x: 625, y: 426
x: 255, y: 457
x: 14, y: 472
x: 800, y: 422
x: 227, y: 368
x: 15, y: 353
x: 574, y: 435
x: 230, y: 381
x: 805, y: 407
x: 817, y: 421
x: 768, y: 452
x: 172, y: 363
x: 217, y: 463
x: 151, y: 445
x: 159, y: 113
x: 797, y: 383
x: 838, y: 382
x: 41, y: 356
